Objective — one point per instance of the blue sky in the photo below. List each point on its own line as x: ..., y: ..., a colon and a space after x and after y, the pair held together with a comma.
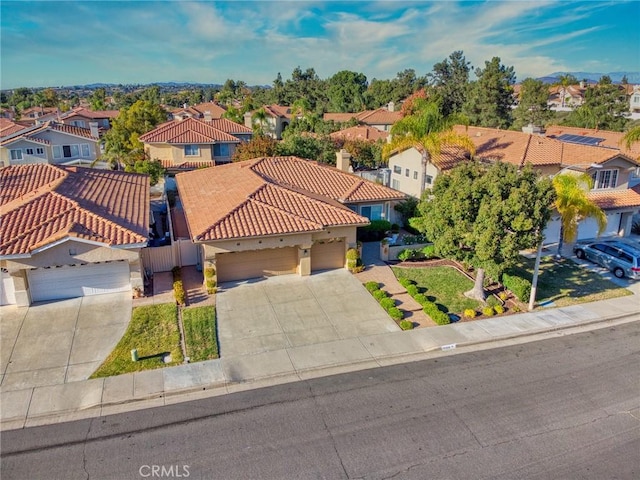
x: 55, y: 43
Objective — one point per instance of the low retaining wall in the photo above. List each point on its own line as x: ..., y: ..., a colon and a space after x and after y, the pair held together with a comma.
x: 389, y: 253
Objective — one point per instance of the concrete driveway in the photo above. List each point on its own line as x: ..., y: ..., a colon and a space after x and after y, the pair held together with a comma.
x: 291, y: 311
x: 58, y: 342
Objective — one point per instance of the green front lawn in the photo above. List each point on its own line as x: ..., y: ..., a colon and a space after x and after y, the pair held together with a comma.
x: 444, y: 285
x: 200, y: 333
x: 565, y: 283
x: 154, y: 332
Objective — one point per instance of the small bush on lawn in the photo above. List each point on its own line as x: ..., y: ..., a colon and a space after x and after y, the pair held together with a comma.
x: 379, y: 294
x: 405, y: 282
x: 406, y: 325
x: 499, y: 309
x: 492, y: 301
x: 429, y: 251
x: 412, y: 290
x: 436, y: 314
x: 209, y: 272
x: 395, y: 313
x: 421, y: 298
x: 387, y: 303
x: 503, y: 295
x: 470, y: 313
x: 179, y: 293
x: 520, y: 287
x: 372, y: 286
x: 488, y: 311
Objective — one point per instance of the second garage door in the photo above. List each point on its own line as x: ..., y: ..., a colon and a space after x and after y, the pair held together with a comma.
x: 78, y: 281
x: 327, y: 255
x: 256, y: 263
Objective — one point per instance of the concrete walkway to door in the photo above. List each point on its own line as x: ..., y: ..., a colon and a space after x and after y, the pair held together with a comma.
x: 51, y: 343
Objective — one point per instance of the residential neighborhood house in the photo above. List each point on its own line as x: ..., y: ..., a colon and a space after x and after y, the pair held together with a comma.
x: 381, y: 118
x: 70, y: 232
x: 614, y: 168
x: 193, y: 143
x: 51, y: 142
x: 277, y: 119
x: 204, y: 111
x: 278, y: 215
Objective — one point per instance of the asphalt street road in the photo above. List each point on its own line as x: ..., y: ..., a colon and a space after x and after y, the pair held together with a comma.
x: 565, y: 408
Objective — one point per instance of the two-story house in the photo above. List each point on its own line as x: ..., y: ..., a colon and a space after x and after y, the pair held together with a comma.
x: 612, y: 167
x: 204, y: 111
x: 381, y: 118
x: 193, y: 143
x: 83, y: 117
x: 276, y: 119
x: 52, y: 142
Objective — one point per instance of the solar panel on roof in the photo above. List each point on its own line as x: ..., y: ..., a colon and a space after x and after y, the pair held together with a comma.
x: 580, y: 139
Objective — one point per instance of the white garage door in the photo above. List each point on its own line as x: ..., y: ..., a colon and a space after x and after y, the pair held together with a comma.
x: 256, y: 263
x: 79, y: 281
x: 328, y: 254
x: 8, y: 294
x: 588, y: 228
x: 552, y: 230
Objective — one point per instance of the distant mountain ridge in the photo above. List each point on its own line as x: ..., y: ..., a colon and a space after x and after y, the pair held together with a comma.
x: 616, y: 77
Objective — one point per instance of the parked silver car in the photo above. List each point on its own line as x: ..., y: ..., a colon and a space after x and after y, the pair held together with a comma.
x: 620, y: 258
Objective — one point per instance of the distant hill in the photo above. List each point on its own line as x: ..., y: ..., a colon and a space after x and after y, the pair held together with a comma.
x: 616, y: 77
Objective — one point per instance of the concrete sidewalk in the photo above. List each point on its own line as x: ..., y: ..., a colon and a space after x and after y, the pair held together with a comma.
x: 93, y: 398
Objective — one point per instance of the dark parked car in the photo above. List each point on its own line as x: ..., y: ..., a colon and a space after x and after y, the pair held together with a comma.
x: 620, y: 258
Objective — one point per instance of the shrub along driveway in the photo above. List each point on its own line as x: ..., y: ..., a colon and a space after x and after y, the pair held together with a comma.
x: 291, y: 311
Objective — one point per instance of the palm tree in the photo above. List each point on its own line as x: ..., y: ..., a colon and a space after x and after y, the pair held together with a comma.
x: 260, y: 120
x: 573, y: 205
x: 427, y: 129
x: 632, y: 136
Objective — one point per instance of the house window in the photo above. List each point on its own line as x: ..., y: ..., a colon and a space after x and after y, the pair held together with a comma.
x: 221, y: 150
x: 191, y: 151
x: 605, y: 179
x: 415, y: 175
x: 39, y: 151
x: 85, y: 150
x: 78, y: 123
x: 428, y: 179
x: 397, y: 169
x: 57, y: 151
x: 29, y: 151
x: 16, y: 154
x: 372, y: 212
x: 70, y: 151
x: 406, y: 172
x: 395, y: 184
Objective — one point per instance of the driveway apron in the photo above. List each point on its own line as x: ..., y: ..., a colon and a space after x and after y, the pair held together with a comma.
x: 290, y: 311
x: 63, y: 341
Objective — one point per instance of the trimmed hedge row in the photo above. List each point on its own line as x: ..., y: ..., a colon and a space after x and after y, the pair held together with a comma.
x: 388, y: 304
x: 520, y: 287
x: 436, y: 314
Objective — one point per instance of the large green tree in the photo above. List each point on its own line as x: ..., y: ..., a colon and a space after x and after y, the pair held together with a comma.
x: 450, y: 78
x: 605, y: 107
x: 258, y: 146
x: 533, y: 107
x: 490, y: 98
x: 573, y: 205
x: 564, y: 81
x: 123, y: 148
x: 485, y: 215
x: 345, y: 91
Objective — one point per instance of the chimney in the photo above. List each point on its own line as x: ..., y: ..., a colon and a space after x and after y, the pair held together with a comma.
x: 207, y: 116
x: 93, y: 126
x: 582, y: 84
x: 185, y: 105
x: 391, y: 106
x: 343, y: 160
x: 531, y: 128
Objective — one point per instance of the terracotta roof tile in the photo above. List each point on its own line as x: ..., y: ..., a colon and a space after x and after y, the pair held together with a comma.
x: 360, y: 133
x: 228, y: 126
x: 7, y: 127
x: 271, y: 196
x: 623, y: 198
x: 187, y: 131
x: 43, y: 203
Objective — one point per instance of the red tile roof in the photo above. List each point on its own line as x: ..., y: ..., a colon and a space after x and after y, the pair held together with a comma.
x: 623, y: 198
x: 41, y: 204
x: 93, y: 114
x: 199, y: 110
x: 272, y: 196
x: 360, y: 133
x: 381, y: 116
x: 610, y: 139
x: 7, y: 127
x: 520, y: 148
x: 31, y: 132
x: 189, y: 131
x: 228, y: 126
